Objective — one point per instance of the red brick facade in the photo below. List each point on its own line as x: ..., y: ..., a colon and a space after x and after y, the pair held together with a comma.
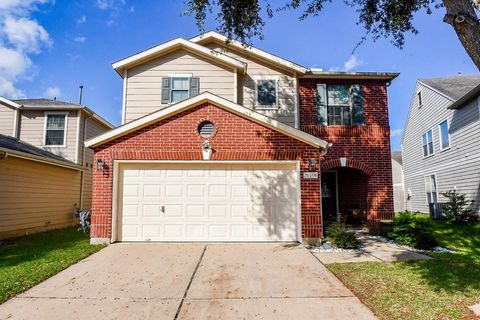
x: 176, y: 138
x: 366, y: 148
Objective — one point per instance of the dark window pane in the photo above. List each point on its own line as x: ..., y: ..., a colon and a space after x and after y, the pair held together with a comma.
x: 54, y: 137
x: 267, y: 92
x: 55, y: 121
x: 338, y: 95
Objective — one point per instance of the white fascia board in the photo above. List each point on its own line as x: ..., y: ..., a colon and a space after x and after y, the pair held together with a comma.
x: 172, y: 44
x: 260, y: 53
x: 221, y: 103
x: 10, y: 103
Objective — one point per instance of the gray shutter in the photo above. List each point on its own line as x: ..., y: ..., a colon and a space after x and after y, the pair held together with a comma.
x: 194, y: 86
x: 322, y: 104
x: 166, y: 90
x: 357, y: 101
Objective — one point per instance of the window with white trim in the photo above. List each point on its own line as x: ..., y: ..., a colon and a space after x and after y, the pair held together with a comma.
x: 431, y: 188
x: 55, y: 129
x: 180, y: 89
x: 427, y: 143
x: 444, y: 136
x: 266, y: 92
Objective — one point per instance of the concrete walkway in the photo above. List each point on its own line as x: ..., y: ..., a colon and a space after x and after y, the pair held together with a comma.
x: 191, y: 281
x: 375, y: 251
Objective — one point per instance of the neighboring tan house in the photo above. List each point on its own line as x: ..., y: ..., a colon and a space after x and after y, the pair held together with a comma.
x: 441, y: 142
x: 45, y: 169
x: 226, y: 143
x: 397, y: 177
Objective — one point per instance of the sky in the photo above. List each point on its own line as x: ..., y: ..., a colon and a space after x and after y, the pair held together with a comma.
x: 48, y: 48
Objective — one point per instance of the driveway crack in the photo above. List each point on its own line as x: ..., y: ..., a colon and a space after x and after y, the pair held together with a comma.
x: 190, y: 283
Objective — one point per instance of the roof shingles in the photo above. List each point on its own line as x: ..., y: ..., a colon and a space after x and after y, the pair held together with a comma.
x: 454, y: 87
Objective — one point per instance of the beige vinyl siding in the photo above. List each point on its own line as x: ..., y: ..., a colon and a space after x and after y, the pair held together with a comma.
x: 246, y: 84
x: 7, y: 120
x: 455, y: 167
x: 144, y: 82
x: 36, y: 196
x: 32, y: 127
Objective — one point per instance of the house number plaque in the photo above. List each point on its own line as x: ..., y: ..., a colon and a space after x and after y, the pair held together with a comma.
x: 310, y: 175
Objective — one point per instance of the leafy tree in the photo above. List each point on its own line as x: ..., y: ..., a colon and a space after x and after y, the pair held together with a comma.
x: 456, y: 208
x: 243, y: 19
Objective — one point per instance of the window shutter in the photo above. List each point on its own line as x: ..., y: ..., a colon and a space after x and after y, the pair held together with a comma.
x: 322, y: 104
x: 166, y: 90
x: 194, y: 86
x: 357, y: 101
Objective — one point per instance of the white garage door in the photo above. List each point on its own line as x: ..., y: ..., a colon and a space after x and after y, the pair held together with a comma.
x: 208, y: 202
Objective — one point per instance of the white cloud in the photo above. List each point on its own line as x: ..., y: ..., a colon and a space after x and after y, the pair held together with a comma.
x: 20, y: 37
x: 110, y: 4
x: 25, y: 34
x: 113, y: 8
x: 396, y: 133
x: 80, y: 39
x: 82, y: 19
x: 132, y: 9
x: 352, y: 63
x: 52, y: 92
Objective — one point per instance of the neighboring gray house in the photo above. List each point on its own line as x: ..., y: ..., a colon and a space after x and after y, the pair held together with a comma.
x: 397, y: 178
x: 441, y: 141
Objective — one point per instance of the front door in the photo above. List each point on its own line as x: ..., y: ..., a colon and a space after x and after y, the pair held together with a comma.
x: 329, y: 196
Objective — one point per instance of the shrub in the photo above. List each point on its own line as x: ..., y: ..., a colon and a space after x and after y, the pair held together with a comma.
x: 346, y: 240
x: 340, y: 237
x: 456, y: 208
x: 410, y: 231
x: 334, y: 228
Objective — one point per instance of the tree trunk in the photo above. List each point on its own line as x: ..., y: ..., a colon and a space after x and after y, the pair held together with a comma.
x: 462, y: 17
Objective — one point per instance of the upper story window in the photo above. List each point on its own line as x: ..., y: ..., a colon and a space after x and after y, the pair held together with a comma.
x: 55, y: 129
x: 427, y: 143
x: 444, y: 136
x: 419, y: 98
x: 266, y: 93
x: 177, y: 88
x: 340, y: 104
x: 431, y: 188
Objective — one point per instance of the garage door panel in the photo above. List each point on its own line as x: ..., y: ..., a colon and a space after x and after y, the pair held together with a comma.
x: 168, y: 202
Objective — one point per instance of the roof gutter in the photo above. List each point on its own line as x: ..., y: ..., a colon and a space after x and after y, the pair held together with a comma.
x: 388, y: 76
x: 5, y: 152
x: 472, y: 94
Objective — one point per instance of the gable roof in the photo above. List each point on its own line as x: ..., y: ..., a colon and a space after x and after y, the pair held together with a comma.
x: 276, y: 60
x: 53, y: 104
x: 453, y: 87
x: 217, y: 101
x: 22, y: 149
x: 121, y: 65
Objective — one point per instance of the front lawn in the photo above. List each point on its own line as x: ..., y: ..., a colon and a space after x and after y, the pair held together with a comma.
x: 441, y: 288
x: 31, y: 259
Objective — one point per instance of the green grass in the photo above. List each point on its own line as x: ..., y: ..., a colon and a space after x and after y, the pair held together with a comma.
x: 31, y: 259
x: 441, y: 288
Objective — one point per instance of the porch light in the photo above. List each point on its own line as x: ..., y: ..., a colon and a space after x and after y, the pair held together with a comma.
x: 206, y: 150
x: 100, y: 164
x: 311, y: 164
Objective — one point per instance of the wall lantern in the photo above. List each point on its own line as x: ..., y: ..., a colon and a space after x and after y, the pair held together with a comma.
x: 311, y: 165
x: 100, y: 164
x: 206, y: 150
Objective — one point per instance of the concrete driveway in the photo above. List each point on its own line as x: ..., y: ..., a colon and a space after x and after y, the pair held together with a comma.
x: 191, y: 281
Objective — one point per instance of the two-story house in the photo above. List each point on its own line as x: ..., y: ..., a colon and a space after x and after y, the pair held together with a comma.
x: 45, y: 169
x: 441, y: 142
x: 226, y: 143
